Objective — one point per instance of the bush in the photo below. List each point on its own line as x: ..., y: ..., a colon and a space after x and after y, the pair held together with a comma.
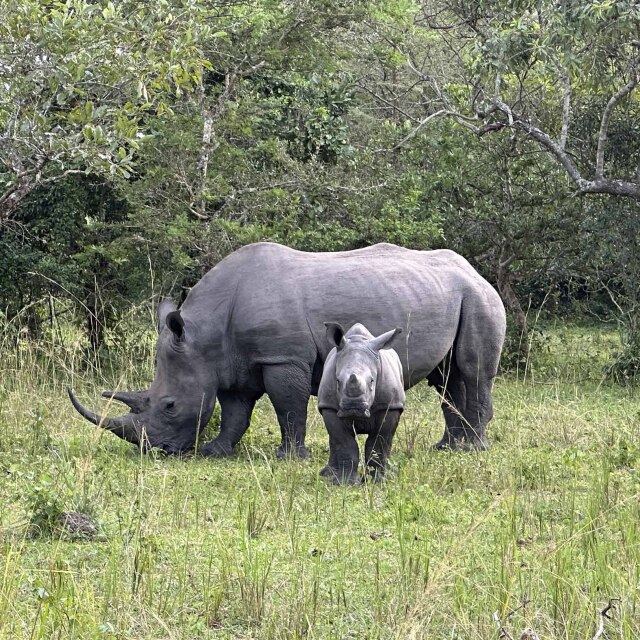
x: 624, y: 369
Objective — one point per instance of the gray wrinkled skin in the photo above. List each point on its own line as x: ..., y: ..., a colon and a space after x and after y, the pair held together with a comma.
x: 254, y: 325
x: 361, y: 391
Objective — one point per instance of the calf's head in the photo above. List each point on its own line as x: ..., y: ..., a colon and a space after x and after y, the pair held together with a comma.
x: 181, y: 399
x: 357, y: 367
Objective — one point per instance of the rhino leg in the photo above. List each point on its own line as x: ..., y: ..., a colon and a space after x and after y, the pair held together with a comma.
x: 477, y: 414
x: 477, y: 353
x: 344, y: 453
x: 289, y: 389
x: 378, y: 445
x: 235, y: 420
x: 452, y: 391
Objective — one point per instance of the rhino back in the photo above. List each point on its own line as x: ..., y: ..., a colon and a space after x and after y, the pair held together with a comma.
x: 269, y: 302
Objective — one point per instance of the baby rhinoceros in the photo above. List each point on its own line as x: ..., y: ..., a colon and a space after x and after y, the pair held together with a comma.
x: 361, y: 391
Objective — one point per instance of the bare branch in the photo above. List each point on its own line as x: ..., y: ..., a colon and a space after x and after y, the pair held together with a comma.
x: 566, y: 109
x: 611, y: 105
x: 414, y: 131
x: 27, y: 182
x: 497, y: 100
x: 604, y: 615
x: 408, y: 116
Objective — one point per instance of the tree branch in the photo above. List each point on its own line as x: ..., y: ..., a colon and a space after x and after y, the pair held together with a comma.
x: 604, y: 615
x: 604, y: 123
x: 566, y: 109
x: 421, y: 124
x: 497, y: 100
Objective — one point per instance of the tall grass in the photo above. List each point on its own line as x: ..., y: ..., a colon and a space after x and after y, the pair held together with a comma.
x: 252, y: 547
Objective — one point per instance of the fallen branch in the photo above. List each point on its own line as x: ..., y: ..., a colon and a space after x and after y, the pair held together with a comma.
x: 503, y: 632
x: 604, y: 615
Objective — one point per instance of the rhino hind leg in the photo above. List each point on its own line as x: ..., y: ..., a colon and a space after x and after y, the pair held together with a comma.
x: 450, y: 386
x: 477, y: 414
x: 235, y: 420
x: 477, y: 354
x: 289, y: 389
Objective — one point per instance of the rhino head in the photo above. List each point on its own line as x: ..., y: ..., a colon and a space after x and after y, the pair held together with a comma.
x: 357, y: 367
x: 181, y: 399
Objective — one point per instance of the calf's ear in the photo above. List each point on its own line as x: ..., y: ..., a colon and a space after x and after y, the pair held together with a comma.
x: 375, y: 344
x: 335, y: 334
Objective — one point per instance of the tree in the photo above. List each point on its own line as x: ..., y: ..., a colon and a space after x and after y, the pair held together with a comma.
x: 79, y: 80
x: 530, y: 67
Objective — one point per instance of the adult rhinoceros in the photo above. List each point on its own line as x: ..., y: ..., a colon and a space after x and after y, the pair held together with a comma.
x: 254, y: 324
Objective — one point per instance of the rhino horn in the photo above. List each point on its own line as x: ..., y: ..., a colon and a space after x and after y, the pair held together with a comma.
x: 124, y: 427
x: 375, y: 344
x: 137, y: 401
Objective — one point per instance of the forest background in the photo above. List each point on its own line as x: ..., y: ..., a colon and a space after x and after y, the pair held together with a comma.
x: 140, y: 144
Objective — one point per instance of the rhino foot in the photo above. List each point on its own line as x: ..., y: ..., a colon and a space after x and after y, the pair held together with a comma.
x: 352, y: 479
x: 475, y: 443
x: 375, y: 475
x: 216, y: 449
x: 283, y: 452
x: 340, y: 477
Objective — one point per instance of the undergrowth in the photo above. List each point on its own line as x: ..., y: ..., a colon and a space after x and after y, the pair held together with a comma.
x: 541, y: 531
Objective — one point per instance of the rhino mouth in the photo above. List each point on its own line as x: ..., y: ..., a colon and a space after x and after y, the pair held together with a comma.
x: 354, y: 410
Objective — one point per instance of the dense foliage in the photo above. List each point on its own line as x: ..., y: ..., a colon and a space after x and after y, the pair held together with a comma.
x: 140, y: 143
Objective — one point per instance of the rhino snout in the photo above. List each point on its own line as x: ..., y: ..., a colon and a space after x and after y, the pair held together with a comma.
x: 354, y: 411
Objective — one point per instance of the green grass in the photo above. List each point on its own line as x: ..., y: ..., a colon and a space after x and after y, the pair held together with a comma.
x: 252, y: 547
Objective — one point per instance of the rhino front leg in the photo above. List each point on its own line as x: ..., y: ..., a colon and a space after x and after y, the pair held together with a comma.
x: 378, y: 445
x: 289, y: 389
x: 344, y: 454
x: 235, y: 420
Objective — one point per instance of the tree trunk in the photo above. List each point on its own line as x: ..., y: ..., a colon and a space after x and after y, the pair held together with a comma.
x: 95, y: 327
x: 513, y: 306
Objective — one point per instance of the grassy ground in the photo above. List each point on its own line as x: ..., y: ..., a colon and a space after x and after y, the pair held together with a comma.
x: 256, y: 548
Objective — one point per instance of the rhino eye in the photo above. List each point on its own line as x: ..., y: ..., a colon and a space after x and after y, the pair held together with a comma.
x: 169, y: 404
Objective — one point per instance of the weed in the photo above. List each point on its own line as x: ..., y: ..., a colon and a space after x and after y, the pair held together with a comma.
x: 46, y: 502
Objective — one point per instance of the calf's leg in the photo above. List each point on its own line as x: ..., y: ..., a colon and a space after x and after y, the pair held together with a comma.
x: 378, y: 445
x: 344, y: 454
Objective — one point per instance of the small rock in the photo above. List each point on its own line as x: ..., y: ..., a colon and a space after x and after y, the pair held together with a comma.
x: 77, y: 524
x: 376, y: 535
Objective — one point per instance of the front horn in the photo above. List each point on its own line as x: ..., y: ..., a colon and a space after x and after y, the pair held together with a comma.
x: 122, y: 427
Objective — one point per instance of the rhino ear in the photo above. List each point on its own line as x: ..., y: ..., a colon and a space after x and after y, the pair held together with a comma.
x: 175, y: 322
x: 335, y: 334
x: 375, y: 344
x: 164, y: 309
